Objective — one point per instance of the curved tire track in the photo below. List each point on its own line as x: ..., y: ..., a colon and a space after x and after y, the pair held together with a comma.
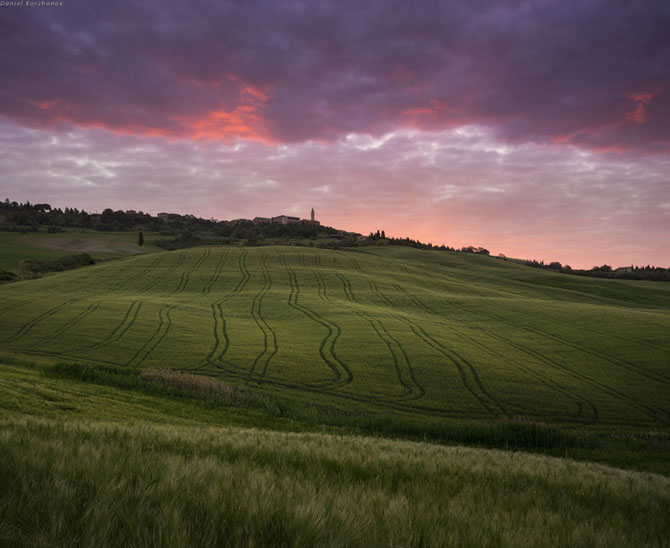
x: 270, y: 347
x: 150, y: 267
x: 652, y: 412
x: 327, y: 347
x: 126, y: 322
x: 218, y: 269
x: 482, y: 395
x: 27, y: 327
x: 79, y: 317
x: 169, y: 270
x: 216, y: 354
x: 183, y: 282
x: 413, y: 390
x: 164, y: 325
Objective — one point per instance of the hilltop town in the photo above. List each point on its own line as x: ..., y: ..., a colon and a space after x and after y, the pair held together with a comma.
x: 286, y: 219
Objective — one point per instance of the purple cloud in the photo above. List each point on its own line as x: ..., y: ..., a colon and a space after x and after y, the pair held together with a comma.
x: 593, y: 73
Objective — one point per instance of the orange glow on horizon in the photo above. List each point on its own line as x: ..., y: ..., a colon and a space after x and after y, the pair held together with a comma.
x: 458, y: 233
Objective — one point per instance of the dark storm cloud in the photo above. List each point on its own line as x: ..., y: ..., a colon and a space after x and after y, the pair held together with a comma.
x: 592, y: 73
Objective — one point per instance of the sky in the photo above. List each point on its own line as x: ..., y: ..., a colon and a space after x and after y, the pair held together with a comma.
x: 537, y: 129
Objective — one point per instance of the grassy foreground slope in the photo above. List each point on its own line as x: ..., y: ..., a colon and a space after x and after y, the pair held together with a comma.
x: 96, y: 466
x: 102, y: 484
x: 394, y: 330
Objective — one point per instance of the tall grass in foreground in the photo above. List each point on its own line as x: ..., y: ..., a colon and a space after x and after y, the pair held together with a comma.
x: 102, y: 485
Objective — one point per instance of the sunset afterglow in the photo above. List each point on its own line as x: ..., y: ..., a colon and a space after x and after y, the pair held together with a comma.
x: 537, y: 130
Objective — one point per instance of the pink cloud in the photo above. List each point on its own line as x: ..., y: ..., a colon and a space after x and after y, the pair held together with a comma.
x: 457, y: 187
x: 640, y: 114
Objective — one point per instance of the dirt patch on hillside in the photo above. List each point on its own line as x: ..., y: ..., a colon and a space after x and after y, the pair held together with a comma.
x: 85, y: 245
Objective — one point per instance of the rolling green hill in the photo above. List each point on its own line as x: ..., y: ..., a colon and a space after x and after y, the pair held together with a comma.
x: 318, y: 348
x: 396, y: 331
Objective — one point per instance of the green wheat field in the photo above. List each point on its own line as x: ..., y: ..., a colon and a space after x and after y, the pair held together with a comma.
x: 416, y: 343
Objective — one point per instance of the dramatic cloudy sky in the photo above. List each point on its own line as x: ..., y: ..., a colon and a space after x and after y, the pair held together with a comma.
x: 538, y: 129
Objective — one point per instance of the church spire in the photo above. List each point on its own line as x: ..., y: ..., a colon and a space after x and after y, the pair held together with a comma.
x: 312, y: 214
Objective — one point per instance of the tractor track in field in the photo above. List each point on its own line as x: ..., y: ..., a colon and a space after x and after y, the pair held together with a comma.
x: 28, y: 326
x: 279, y: 383
x: 398, y: 354
x: 372, y: 400
x: 348, y: 291
x: 652, y: 412
x: 158, y: 336
x: 455, y: 358
x: 183, y: 282
x: 578, y: 400
x: 393, y: 345
x: 379, y: 402
x: 321, y: 289
x: 552, y: 385
x: 462, y: 365
x: 13, y: 306
x: 403, y: 354
x: 399, y: 358
x: 625, y: 339
x: 122, y: 327
x: 392, y: 404
x: 327, y: 347
x: 315, y: 259
x: 221, y: 341
x: 218, y: 269
x: 217, y: 314
x: 419, y: 304
x: 164, y: 325
x: 557, y: 387
x: 448, y: 353
x: 110, y: 279
x: 268, y: 333
x: 169, y: 270
x: 629, y: 366
x: 137, y: 276
x: 79, y: 317
x: 375, y: 289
